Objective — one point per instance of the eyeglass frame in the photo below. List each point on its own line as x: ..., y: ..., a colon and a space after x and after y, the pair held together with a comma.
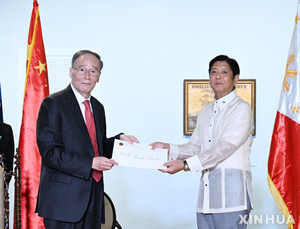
x: 87, y: 70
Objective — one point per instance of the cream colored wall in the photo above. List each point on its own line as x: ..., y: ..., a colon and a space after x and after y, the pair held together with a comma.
x: 149, y: 48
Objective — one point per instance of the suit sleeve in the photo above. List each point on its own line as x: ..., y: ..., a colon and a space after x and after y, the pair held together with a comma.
x: 108, y: 143
x: 9, y: 157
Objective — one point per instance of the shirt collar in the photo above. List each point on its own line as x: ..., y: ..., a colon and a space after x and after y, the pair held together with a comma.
x: 79, y: 97
x: 225, y: 100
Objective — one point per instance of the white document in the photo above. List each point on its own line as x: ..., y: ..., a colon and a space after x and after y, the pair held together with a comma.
x: 138, y: 155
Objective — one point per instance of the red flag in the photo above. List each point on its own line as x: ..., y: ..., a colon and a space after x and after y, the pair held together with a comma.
x: 36, y: 89
x: 284, y: 157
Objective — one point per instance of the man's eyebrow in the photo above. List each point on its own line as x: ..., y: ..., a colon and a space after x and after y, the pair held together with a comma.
x: 95, y: 68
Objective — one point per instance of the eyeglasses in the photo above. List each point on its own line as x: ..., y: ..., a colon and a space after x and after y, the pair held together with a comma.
x: 82, y: 71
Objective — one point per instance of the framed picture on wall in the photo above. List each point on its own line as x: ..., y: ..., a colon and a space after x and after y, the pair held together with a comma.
x: 198, y: 93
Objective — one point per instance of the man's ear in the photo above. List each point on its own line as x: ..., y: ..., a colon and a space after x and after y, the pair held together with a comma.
x: 99, y: 77
x: 70, y: 72
x: 236, y: 78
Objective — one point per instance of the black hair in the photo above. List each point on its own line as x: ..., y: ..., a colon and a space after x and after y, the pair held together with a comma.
x: 233, y: 64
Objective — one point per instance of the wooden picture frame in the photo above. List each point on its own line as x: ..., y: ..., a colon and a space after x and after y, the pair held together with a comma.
x: 198, y: 93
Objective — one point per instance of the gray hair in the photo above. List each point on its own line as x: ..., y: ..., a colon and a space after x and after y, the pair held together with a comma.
x: 81, y: 52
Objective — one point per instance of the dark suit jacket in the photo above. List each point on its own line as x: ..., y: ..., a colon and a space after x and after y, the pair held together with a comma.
x: 67, y: 154
x: 7, y: 146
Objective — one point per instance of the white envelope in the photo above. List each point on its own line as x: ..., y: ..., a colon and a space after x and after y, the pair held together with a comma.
x: 138, y: 155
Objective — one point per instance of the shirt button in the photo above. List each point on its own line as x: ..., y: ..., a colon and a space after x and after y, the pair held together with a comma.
x: 205, y: 184
x: 209, y: 140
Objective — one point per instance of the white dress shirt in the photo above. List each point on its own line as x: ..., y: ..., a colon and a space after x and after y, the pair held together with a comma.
x: 80, y: 100
x: 220, y: 149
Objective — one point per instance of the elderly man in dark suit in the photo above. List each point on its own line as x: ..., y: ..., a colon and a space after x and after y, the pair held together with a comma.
x: 71, y: 136
x: 7, y: 146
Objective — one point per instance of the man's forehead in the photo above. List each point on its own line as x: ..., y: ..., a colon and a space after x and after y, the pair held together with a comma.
x: 85, y: 65
x: 87, y: 58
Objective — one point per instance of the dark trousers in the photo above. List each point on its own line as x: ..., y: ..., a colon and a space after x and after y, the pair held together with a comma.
x: 90, y: 219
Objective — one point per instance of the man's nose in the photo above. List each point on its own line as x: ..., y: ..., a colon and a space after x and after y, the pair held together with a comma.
x: 87, y: 74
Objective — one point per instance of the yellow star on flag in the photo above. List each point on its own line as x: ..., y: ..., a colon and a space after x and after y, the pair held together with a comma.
x: 41, y: 67
x: 295, y: 108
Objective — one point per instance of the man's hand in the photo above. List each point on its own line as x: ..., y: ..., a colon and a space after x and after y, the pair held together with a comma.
x: 129, y: 138
x: 160, y: 145
x: 172, y: 167
x: 103, y: 163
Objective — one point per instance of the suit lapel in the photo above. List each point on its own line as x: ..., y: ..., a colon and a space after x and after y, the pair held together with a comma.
x: 77, y: 115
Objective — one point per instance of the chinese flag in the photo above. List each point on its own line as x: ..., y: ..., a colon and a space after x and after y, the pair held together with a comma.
x: 36, y: 89
x: 284, y: 157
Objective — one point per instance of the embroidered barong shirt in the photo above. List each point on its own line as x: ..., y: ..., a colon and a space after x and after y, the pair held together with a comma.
x: 220, y: 149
